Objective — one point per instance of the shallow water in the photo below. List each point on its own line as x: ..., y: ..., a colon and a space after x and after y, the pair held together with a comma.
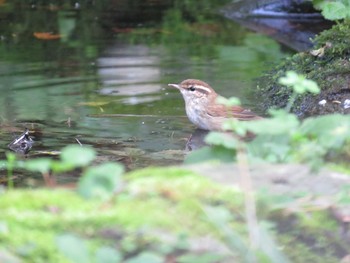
x: 103, y: 81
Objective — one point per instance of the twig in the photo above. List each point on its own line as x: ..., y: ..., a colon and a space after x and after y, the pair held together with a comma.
x: 78, y: 141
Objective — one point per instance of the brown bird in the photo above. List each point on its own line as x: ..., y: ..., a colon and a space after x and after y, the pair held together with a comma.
x: 203, y: 110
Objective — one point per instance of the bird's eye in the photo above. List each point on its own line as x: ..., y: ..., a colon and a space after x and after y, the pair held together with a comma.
x: 192, y: 88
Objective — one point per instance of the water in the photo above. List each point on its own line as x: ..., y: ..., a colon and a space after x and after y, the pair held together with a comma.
x: 75, y: 74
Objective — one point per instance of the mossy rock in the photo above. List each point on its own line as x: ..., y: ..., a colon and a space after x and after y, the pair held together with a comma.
x: 160, y: 202
x: 331, y: 71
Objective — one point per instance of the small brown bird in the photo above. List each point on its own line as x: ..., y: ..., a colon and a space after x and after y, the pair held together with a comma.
x: 203, y: 110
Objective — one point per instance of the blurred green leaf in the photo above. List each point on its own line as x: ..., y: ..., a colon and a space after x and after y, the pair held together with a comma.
x: 331, y: 131
x: 336, y: 10
x: 299, y: 83
x: 271, y: 148
x: 290, y: 79
x: 222, y: 139
x: 42, y: 165
x: 107, y: 255
x: 233, y: 101
x: 77, y: 155
x: 101, y: 181
x: 238, y: 127
x: 60, y: 167
x: 146, y: 257
x: 311, y: 86
x: 214, y: 153
x: 200, y: 258
x: 74, y: 248
x: 280, y: 123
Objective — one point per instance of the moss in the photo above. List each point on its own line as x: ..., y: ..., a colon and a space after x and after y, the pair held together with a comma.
x: 166, y: 199
x: 300, y: 251
x: 171, y: 200
x: 342, y: 167
x: 339, y: 37
x: 331, y: 72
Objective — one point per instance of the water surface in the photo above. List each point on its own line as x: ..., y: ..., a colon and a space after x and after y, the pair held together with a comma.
x: 74, y: 73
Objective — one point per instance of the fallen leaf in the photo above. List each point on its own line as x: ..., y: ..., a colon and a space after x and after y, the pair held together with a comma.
x: 46, y: 36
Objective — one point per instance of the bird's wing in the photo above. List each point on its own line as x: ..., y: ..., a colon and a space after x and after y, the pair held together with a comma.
x: 232, y: 112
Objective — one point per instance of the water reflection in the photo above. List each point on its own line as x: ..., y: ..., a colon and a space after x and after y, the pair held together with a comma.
x: 130, y: 70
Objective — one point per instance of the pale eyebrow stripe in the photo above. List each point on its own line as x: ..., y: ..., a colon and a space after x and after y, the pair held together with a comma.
x: 203, y: 88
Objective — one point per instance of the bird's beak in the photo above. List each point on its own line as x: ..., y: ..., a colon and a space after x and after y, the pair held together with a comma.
x: 174, y: 85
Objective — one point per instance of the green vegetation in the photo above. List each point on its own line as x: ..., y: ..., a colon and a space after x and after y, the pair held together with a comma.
x: 46, y: 215
x: 327, y: 65
x: 160, y: 212
x: 334, y: 10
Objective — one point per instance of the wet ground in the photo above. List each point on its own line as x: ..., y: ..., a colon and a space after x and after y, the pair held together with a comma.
x: 78, y: 74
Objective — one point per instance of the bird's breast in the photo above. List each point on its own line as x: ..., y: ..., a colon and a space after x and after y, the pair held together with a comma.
x: 201, y: 119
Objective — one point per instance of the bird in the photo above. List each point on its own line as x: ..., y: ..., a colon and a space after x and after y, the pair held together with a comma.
x: 204, y: 111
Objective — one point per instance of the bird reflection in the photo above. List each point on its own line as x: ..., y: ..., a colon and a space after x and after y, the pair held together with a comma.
x: 196, y: 141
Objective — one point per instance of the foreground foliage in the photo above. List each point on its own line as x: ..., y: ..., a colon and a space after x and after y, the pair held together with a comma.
x: 161, y: 213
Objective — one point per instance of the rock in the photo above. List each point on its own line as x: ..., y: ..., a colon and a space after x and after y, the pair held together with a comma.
x: 278, y: 179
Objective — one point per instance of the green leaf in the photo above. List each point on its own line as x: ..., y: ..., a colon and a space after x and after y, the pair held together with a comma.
x: 233, y: 101
x: 73, y: 247
x: 42, y: 165
x: 222, y: 139
x: 77, y: 155
x: 236, y: 126
x: 335, y: 10
x: 60, y: 167
x: 311, y: 86
x: 280, y: 123
x: 299, y: 83
x: 202, y: 258
x: 271, y: 148
x: 217, y: 153
x: 318, y: 4
x: 331, y: 131
x: 108, y: 255
x: 290, y: 79
x: 101, y: 181
x: 146, y: 257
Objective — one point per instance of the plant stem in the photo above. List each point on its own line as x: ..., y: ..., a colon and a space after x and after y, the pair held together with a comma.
x: 249, y: 199
x: 10, y: 184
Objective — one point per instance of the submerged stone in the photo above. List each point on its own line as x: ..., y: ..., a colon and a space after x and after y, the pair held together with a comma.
x: 22, y: 144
